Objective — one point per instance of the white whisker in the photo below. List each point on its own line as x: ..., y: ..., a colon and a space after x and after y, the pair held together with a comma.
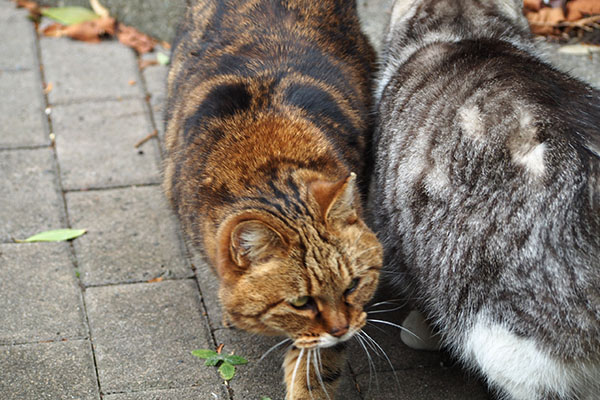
x: 273, y: 348
x: 308, y: 386
x: 386, y: 357
x: 318, y: 370
x: 294, y: 373
x: 394, y: 325
x: 386, y: 311
x: 372, y: 368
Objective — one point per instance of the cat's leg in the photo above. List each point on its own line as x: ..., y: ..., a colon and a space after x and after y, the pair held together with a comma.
x: 418, y: 334
x: 313, y: 374
x: 520, y: 367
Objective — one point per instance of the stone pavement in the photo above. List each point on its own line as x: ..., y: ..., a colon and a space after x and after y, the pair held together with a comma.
x: 89, y: 319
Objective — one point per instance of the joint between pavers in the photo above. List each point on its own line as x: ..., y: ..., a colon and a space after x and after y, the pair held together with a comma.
x: 43, y: 341
x: 85, y: 100
x: 32, y: 147
x: 110, y: 187
x: 72, y: 253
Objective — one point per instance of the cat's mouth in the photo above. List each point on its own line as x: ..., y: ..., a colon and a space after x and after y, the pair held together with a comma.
x: 323, y: 341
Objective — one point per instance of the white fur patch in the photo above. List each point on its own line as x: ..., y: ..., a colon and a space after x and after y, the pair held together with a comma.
x: 532, y: 159
x: 521, y: 368
x: 471, y: 122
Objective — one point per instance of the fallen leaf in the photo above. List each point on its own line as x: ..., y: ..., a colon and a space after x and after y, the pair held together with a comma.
x: 146, y: 63
x: 58, y: 235
x: 163, y: 59
x: 135, y: 39
x: 533, y: 5
x: 544, y: 21
x: 220, y: 348
x: 48, y: 88
x: 156, y: 280
x: 131, y: 82
x: 88, y: 31
x: 99, y: 9
x: 69, y: 15
x: 31, y: 6
x: 577, y: 9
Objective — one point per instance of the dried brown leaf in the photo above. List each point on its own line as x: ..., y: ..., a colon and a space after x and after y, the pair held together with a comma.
x: 156, y: 280
x: 147, y: 63
x: 31, y: 6
x: 135, y: 39
x: 88, y: 31
x: 532, y: 5
x: 577, y: 9
x: 48, y: 88
x: 220, y: 348
x: 546, y: 20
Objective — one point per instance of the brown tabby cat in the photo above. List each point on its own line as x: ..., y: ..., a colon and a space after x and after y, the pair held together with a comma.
x: 267, y: 117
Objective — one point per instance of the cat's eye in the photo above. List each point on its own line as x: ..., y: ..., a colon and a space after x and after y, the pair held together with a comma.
x: 352, y: 287
x: 300, y: 302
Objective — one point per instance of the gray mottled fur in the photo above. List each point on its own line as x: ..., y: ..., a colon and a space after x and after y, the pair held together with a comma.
x: 487, y: 188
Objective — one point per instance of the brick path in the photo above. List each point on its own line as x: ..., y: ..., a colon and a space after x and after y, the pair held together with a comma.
x: 80, y: 320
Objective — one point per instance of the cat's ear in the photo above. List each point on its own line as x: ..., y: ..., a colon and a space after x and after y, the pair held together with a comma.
x: 253, y: 241
x: 336, y: 200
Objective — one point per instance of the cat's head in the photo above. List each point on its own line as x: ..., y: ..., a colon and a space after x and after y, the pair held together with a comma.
x: 456, y: 17
x: 306, y: 277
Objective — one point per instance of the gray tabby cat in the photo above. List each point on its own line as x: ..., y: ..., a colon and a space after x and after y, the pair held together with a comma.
x: 487, y: 196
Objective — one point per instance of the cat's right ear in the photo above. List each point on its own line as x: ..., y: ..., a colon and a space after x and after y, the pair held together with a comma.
x: 248, y: 241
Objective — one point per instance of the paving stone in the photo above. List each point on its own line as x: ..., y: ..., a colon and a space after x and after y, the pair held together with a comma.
x: 95, y: 144
x: 40, y: 294
x: 374, y: 16
x: 422, y: 384
x: 29, y: 197
x: 216, y: 391
x: 59, y: 370
x: 209, y: 285
x: 22, y: 118
x: 156, y: 83
x: 388, y: 340
x: 143, y: 335
x: 84, y: 71
x: 131, y: 236
x: 18, y: 53
x: 580, y: 61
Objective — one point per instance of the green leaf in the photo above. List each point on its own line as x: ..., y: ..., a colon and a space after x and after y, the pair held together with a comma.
x: 212, y: 361
x: 204, y: 353
x: 265, y: 398
x: 235, y: 360
x: 227, y: 371
x: 69, y: 15
x: 57, y: 235
x: 163, y: 59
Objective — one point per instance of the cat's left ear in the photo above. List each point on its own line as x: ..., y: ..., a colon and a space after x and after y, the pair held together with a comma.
x: 336, y: 200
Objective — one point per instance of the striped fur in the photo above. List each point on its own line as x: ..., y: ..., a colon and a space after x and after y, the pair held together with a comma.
x: 267, y: 116
x: 487, y: 185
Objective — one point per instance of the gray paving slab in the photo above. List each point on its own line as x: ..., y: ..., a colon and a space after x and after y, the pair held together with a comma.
x: 83, y: 71
x: 143, y: 335
x: 156, y: 83
x: 215, y: 391
x: 40, y: 298
x: 131, y: 236
x: 209, y: 285
x: 580, y: 61
x: 18, y: 53
x: 22, y: 118
x: 422, y: 384
x: 264, y: 378
x: 95, y: 144
x: 374, y: 16
x: 59, y: 370
x: 29, y: 197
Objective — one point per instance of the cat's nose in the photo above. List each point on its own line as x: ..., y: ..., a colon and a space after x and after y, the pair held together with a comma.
x: 339, y: 331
